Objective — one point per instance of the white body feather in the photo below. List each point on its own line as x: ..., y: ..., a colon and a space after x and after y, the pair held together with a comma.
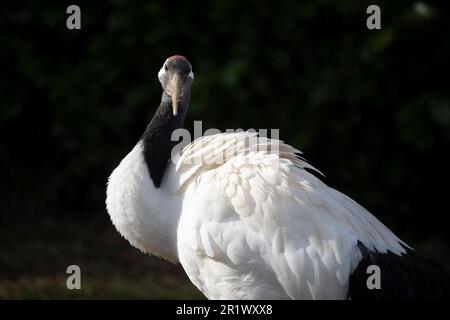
x: 258, y: 226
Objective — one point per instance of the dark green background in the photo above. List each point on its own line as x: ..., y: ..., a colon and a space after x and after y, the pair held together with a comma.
x: 370, y: 109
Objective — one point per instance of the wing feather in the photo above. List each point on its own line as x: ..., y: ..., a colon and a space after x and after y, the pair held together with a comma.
x: 274, y: 229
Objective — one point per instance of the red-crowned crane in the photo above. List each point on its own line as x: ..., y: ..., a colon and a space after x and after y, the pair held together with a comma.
x: 259, y: 225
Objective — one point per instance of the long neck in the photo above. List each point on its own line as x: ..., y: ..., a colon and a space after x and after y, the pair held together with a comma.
x: 157, y: 140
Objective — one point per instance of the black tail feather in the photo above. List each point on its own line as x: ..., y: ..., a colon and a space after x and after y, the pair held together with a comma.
x: 409, y: 276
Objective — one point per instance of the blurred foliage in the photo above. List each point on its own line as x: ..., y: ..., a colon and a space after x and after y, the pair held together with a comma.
x: 370, y: 109
x: 35, y: 267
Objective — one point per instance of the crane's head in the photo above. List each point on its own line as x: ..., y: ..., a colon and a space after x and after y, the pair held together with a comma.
x: 176, y: 77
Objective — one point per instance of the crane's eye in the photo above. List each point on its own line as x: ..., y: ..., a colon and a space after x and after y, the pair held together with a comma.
x: 166, y: 67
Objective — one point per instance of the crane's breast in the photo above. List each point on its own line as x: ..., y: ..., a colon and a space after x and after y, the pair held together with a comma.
x: 146, y: 216
x: 125, y: 201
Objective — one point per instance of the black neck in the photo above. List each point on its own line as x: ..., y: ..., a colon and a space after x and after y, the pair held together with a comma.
x: 157, y: 137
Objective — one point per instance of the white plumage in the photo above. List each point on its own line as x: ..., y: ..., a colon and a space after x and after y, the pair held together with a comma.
x: 242, y: 229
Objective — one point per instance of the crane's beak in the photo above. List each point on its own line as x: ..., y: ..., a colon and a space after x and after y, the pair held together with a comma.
x: 176, y: 87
